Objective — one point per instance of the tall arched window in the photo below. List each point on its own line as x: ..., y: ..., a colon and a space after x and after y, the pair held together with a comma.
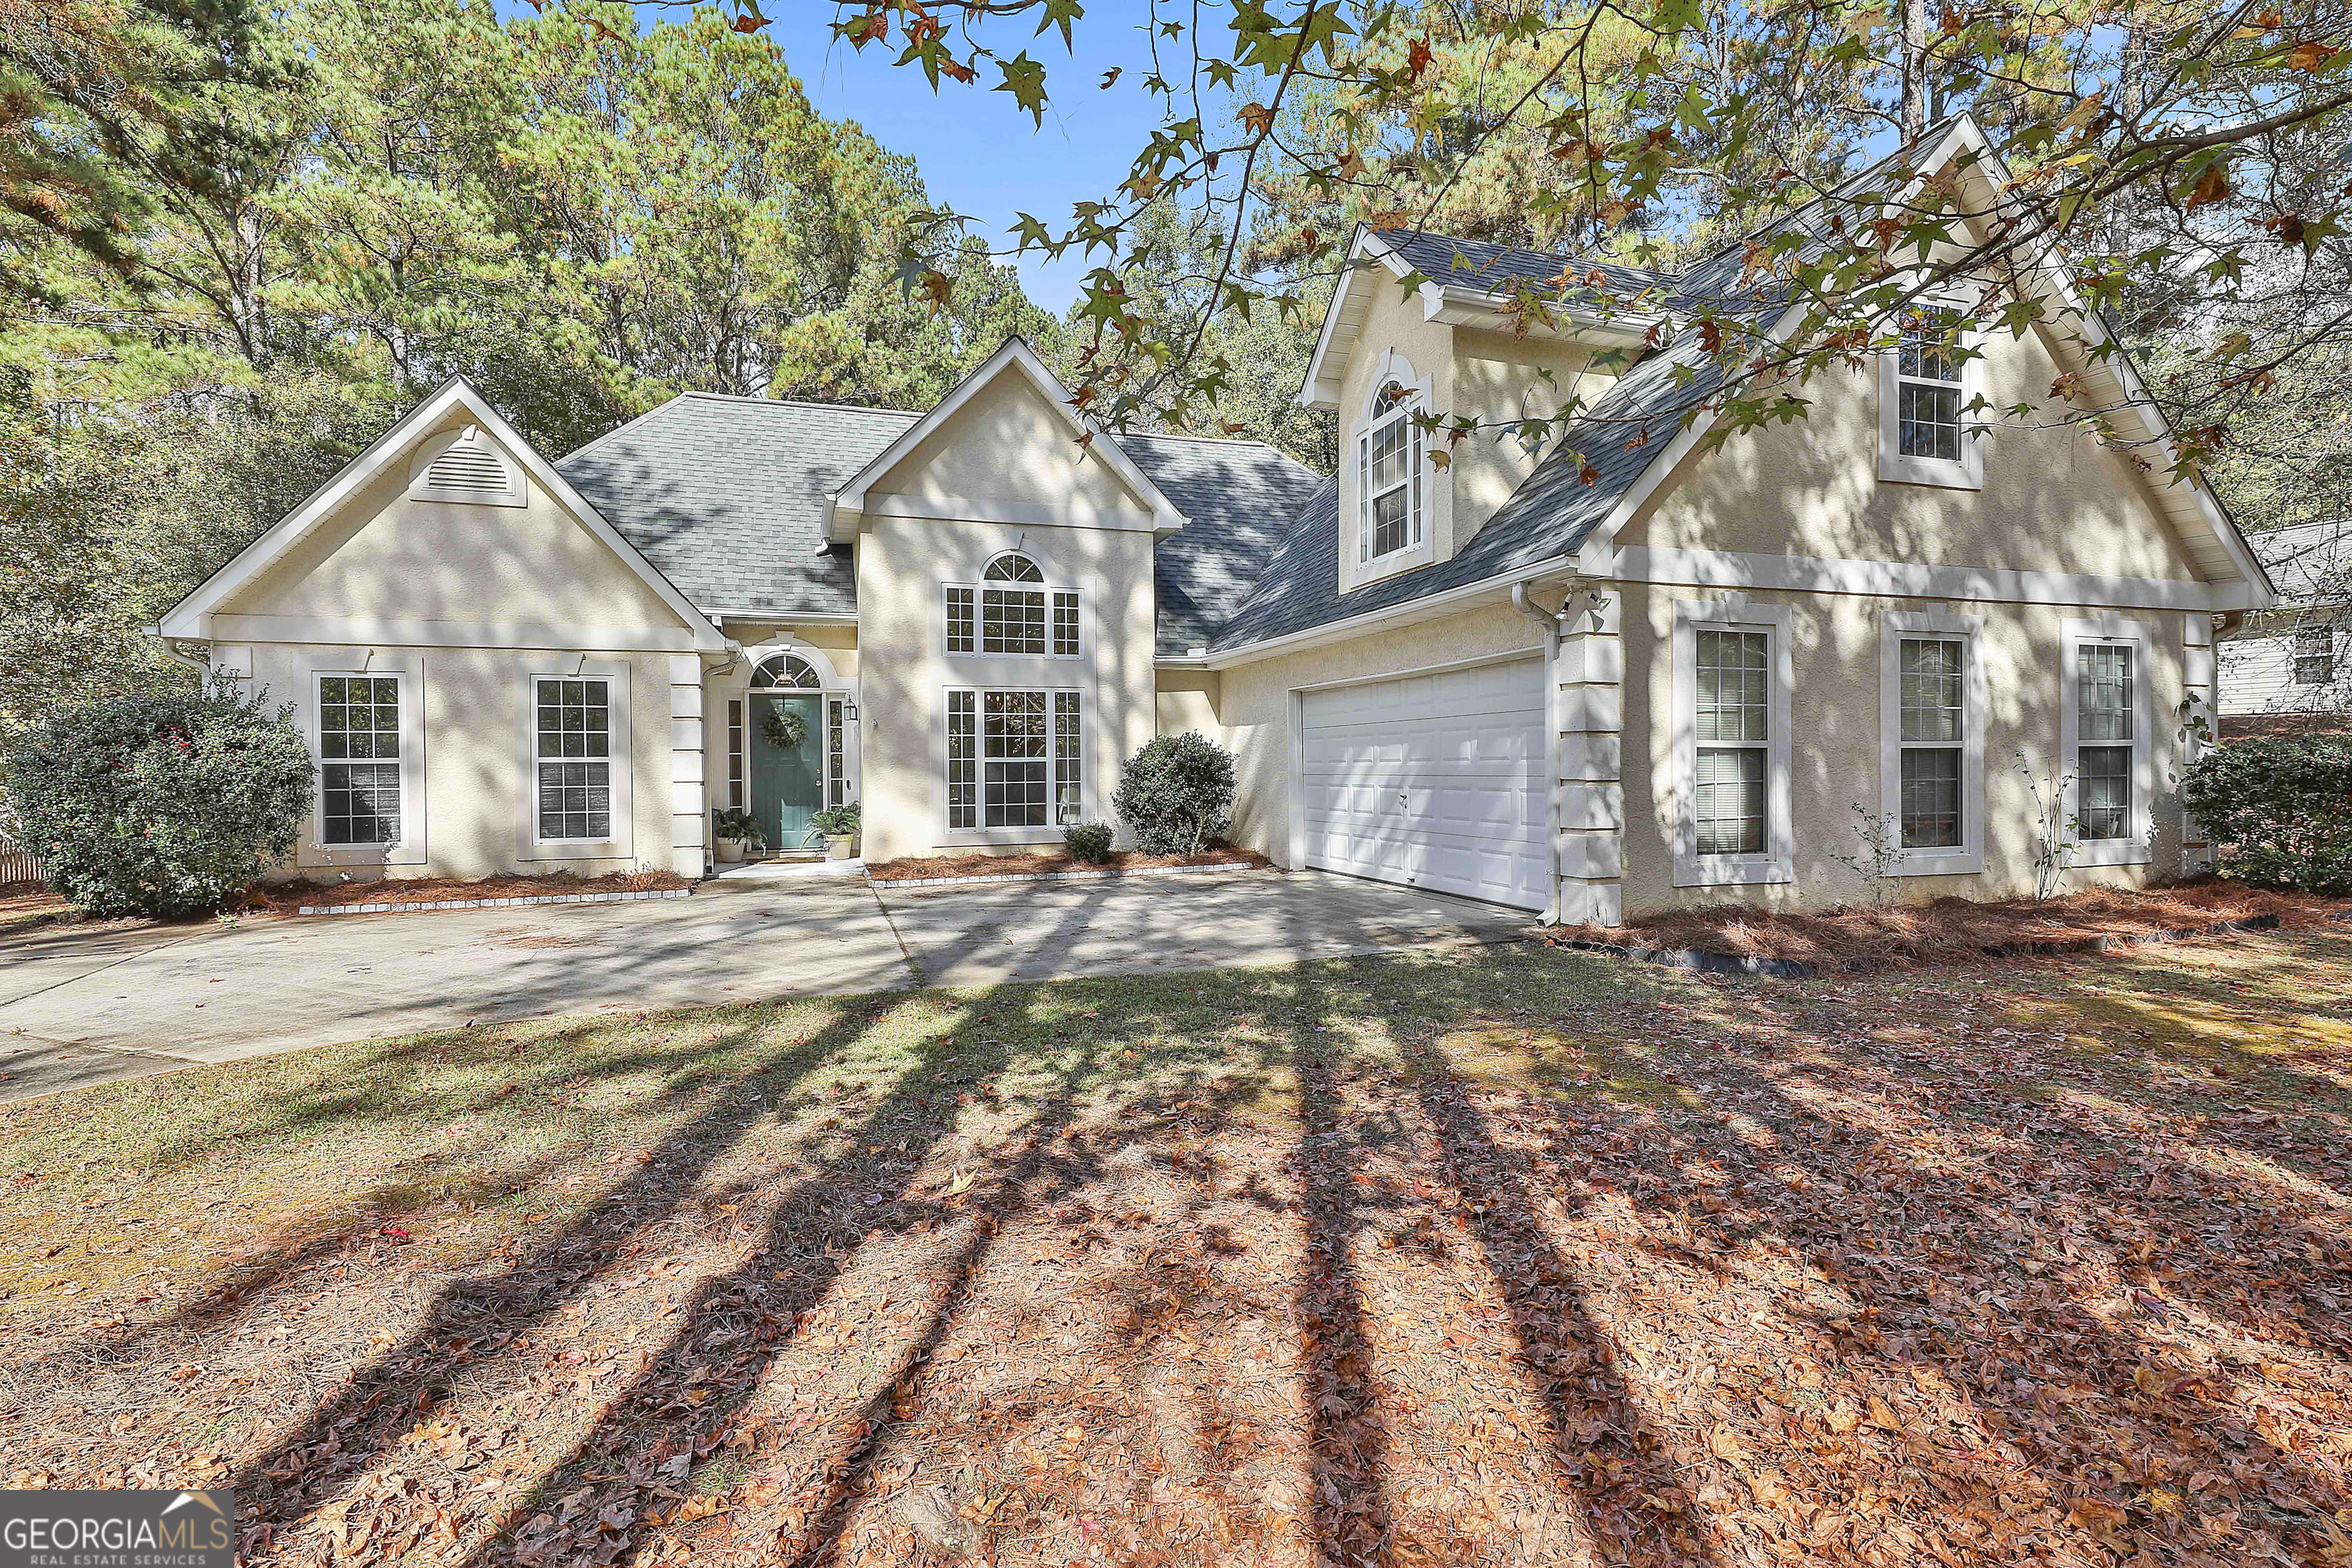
x: 1388, y: 475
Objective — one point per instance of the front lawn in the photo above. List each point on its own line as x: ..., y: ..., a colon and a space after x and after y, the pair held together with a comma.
x: 1520, y: 1256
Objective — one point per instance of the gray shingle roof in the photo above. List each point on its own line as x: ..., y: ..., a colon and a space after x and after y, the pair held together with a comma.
x: 1550, y: 515
x: 725, y: 495
x: 1477, y: 264
x: 1239, y: 499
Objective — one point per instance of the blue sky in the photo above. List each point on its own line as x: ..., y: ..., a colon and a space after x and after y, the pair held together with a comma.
x: 977, y: 151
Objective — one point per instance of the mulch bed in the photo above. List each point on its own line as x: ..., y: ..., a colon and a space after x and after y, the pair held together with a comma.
x: 285, y: 897
x: 938, y: 867
x: 1950, y: 931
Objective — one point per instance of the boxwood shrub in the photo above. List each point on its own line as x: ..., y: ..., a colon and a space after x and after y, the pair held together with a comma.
x: 2278, y: 811
x: 168, y: 804
x: 1089, y: 841
x: 1176, y: 794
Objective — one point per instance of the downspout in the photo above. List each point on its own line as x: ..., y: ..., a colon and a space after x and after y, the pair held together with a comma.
x: 1549, y: 620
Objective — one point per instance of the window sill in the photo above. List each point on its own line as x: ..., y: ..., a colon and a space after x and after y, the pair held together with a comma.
x: 1940, y: 863
x: 1940, y: 473
x: 1389, y: 565
x: 965, y: 838
x: 334, y: 854
x: 2109, y: 852
x: 1731, y: 870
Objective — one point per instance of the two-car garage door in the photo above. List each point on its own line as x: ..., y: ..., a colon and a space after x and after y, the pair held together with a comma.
x: 1432, y: 780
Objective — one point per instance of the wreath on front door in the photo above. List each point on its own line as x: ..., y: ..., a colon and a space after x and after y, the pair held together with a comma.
x: 782, y: 728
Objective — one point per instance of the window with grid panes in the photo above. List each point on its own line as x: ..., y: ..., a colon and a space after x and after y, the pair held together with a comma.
x: 1933, y: 726
x: 358, y: 759
x: 1928, y: 387
x: 574, y: 736
x: 1732, y: 726
x: 2103, y: 718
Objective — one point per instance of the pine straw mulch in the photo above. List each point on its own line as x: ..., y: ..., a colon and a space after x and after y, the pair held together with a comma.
x: 286, y: 898
x: 933, y: 867
x: 1517, y: 1257
x: 1954, y: 931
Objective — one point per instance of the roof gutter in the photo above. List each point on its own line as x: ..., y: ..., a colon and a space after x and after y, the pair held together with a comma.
x: 1422, y: 609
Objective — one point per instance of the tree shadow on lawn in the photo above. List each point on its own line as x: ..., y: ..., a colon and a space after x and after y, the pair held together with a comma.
x: 1969, y: 1296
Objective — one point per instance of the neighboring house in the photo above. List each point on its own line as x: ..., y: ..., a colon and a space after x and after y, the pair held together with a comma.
x: 2287, y: 668
x: 1672, y: 677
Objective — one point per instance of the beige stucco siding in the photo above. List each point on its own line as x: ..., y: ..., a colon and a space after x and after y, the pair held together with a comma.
x: 1498, y: 380
x: 386, y: 556
x: 902, y: 565
x: 1255, y: 701
x: 465, y: 604
x: 1835, y: 741
x: 469, y: 815
x: 2055, y: 499
x: 1188, y: 701
x: 1398, y: 325
x: 1006, y: 445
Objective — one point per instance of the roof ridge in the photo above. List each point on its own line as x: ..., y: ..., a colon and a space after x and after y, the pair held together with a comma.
x: 794, y: 402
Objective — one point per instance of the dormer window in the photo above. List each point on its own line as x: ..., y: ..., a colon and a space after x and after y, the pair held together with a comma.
x: 1388, y: 501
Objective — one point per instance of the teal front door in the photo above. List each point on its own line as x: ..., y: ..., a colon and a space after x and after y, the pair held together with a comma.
x: 787, y: 782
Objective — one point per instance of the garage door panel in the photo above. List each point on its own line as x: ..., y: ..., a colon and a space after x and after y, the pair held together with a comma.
x: 1431, y: 781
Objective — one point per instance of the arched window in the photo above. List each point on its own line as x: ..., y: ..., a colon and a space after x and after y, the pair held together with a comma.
x: 785, y: 672
x: 1388, y: 475
x: 1012, y: 611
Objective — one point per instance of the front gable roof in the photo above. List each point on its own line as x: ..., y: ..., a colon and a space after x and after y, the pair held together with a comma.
x: 191, y: 616
x: 1015, y: 358
x: 728, y: 495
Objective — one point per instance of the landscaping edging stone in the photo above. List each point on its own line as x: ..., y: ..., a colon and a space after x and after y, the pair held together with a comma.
x: 1707, y: 962
x: 623, y: 898
x: 906, y: 882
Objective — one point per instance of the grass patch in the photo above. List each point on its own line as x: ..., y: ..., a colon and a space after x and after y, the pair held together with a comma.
x: 1510, y: 1252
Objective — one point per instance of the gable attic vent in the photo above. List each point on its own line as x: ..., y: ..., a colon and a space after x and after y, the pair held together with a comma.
x: 467, y: 468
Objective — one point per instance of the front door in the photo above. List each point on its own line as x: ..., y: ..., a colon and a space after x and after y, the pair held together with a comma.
x: 787, y: 782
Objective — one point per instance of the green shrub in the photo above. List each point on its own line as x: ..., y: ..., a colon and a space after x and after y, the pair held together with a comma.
x: 2278, y: 812
x: 1089, y: 841
x: 1176, y: 794
x: 168, y: 804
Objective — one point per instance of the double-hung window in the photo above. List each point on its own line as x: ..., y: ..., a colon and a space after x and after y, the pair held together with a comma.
x: 1731, y: 742
x: 359, y: 760
x: 1012, y: 611
x: 1016, y: 759
x: 1388, y: 476
x: 1925, y: 389
x: 2105, y: 711
x: 573, y: 752
x: 2105, y: 685
x: 2315, y: 656
x: 1931, y: 742
x: 1734, y: 730
x: 1933, y: 692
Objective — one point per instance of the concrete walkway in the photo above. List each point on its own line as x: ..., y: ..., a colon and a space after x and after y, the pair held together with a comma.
x: 78, y: 1008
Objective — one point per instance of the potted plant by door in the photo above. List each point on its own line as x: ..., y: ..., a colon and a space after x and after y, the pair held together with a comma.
x: 732, y: 828
x: 837, y: 826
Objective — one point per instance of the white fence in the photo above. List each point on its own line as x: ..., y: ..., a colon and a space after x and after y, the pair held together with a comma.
x: 18, y: 864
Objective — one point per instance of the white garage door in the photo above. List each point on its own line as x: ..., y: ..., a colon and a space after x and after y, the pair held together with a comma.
x: 1431, y: 781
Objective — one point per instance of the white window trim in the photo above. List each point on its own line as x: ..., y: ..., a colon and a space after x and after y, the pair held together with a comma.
x: 1049, y: 587
x: 1355, y: 569
x: 1893, y: 627
x: 1778, y: 861
x: 2136, y: 849
x: 616, y: 674
x: 1088, y: 769
x: 408, y: 670
x: 1966, y: 472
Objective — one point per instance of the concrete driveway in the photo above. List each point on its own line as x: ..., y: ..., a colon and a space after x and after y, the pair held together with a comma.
x: 82, y: 1008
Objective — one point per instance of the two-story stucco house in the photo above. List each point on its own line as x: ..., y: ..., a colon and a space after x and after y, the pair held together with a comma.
x: 1618, y: 673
